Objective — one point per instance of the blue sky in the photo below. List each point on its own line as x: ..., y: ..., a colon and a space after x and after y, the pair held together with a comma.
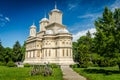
x: 16, y: 16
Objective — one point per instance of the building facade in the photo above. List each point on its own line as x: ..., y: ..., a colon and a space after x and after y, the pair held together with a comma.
x: 53, y: 42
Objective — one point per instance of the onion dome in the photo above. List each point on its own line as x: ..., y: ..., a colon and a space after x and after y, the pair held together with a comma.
x: 33, y: 25
x: 44, y: 19
x: 55, y: 9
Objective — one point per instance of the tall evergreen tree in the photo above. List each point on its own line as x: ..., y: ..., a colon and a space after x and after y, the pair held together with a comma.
x: 104, y: 39
x: 23, y: 49
x: 117, y: 34
x: 17, y: 53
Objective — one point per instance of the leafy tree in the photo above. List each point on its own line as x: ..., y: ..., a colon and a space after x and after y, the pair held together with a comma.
x: 75, y: 53
x: 8, y: 54
x: 1, y: 51
x: 81, y: 50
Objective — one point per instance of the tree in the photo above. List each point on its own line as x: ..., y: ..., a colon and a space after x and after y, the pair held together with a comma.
x: 23, y: 49
x: 17, y: 53
x: 117, y: 34
x: 1, y: 51
x: 8, y: 54
x: 81, y: 50
x: 106, y: 39
x: 75, y: 55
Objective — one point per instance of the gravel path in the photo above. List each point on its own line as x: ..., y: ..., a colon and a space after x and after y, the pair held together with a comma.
x: 69, y: 74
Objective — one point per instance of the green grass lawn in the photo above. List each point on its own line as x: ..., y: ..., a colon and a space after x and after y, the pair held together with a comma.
x: 14, y: 73
x: 99, y: 73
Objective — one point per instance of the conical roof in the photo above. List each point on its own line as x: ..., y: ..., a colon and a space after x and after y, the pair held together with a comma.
x: 55, y: 9
x: 33, y: 25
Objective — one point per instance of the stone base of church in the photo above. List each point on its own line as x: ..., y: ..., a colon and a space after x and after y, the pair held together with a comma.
x: 44, y: 61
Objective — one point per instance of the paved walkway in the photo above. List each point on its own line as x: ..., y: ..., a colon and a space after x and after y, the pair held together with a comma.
x: 69, y: 74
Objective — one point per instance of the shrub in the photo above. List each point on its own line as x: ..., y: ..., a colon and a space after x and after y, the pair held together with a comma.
x: 75, y: 66
x: 54, y: 66
x: 11, y: 64
x: 90, y: 63
x: 44, y: 70
x: 2, y: 63
x: 84, y: 65
x: 26, y: 65
x: 47, y: 71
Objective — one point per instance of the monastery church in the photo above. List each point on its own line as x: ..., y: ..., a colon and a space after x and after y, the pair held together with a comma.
x: 53, y: 42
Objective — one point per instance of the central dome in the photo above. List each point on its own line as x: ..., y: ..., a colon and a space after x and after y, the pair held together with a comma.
x: 55, y: 9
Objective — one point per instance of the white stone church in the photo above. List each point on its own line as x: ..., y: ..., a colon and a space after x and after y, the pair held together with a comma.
x: 53, y: 42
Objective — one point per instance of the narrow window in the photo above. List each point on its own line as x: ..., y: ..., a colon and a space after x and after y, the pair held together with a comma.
x: 56, y: 52
x: 63, y: 52
x: 49, y: 52
x: 67, y: 52
x: 46, y: 53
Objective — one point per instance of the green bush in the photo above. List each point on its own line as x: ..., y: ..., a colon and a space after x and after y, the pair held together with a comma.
x: 75, y: 66
x: 84, y: 65
x: 26, y: 65
x: 11, y: 64
x: 90, y: 63
x: 54, y: 65
x: 2, y: 63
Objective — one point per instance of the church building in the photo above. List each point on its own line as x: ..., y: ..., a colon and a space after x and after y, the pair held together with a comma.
x: 53, y: 42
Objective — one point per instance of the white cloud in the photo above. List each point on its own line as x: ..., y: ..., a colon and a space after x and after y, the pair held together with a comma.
x: 86, y: 16
x: 91, y: 16
x: 7, y: 18
x: 72, y: 4
x: 3, y: 20
x: 116, y: 4
x: 83, y: 33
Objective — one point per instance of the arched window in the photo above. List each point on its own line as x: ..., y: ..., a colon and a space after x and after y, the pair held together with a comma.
x: 63, y: 42
x: 49, y: 52
x: 67, y: 52
x: 30, y: 54
x: 66, y: 42
x: 70, y: 52
x: 33, y: 54
x: 38, y: 53
x: 56, y: 52
x: 46, y: 53
x: 63, y: 52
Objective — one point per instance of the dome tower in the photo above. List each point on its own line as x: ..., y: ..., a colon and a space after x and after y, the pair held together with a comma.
x: 44, y: 22
x: 33, y: 30
x: 55, y: 15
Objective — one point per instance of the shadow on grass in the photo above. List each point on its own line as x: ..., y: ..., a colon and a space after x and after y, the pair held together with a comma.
x: 102, y: 71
